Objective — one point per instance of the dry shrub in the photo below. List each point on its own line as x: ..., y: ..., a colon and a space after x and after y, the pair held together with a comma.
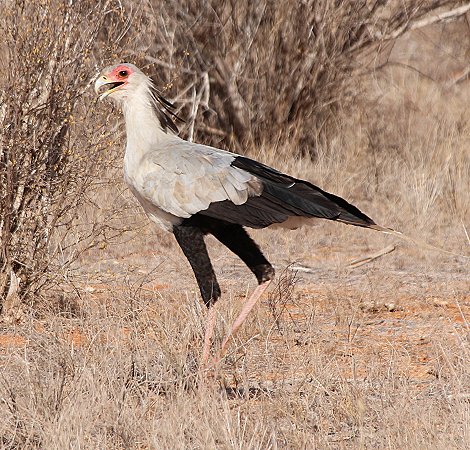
x: 266, y: 71
x: 412, y: 138
x: 52, y: 145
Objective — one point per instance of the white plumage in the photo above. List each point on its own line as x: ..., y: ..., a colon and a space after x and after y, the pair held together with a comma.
x: 174, y: 179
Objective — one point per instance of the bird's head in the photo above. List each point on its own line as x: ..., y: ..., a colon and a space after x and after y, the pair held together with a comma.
x: 119, y: 81
x: 130, y: 87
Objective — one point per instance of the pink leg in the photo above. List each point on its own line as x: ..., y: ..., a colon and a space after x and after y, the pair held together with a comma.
x: 209, y: 332
x: 249, y: 304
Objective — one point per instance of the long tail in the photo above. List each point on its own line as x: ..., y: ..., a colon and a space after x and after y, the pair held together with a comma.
x: 417, y: 242
x: 284, y: 196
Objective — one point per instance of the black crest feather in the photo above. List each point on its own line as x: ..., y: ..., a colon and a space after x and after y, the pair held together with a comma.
x: 164, y: 110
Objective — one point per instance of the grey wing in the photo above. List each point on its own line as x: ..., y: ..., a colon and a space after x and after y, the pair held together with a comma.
x: 187, y: 178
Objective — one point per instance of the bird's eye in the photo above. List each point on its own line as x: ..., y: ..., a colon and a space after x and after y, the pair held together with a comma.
x: 123, y: 73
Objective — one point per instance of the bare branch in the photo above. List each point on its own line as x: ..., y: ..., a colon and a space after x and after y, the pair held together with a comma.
x: 432, y: 18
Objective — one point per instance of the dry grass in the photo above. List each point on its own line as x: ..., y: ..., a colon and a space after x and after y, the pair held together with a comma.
x: 373, y: 357
x: 369, y: 358
x: 330, y: 363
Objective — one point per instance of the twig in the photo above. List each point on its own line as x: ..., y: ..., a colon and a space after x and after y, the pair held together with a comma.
x: 466, y: 233
x: 166, y: 65
x: 301, y: 269
x: 434, y: 18
x: 211, y: 130
x: 11, y: 311
x: 361, y: 261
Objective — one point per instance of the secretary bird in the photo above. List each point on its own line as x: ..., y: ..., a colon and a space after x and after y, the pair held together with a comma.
x: 193, y: 190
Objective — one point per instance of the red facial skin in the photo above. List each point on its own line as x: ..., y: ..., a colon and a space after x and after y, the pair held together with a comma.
x: 118, y: 73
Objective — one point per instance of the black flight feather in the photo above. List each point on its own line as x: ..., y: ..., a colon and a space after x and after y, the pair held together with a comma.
x: 284, y: 196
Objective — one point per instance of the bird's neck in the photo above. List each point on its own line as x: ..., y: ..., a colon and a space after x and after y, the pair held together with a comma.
x: 145, y: 135
x: 143, y: 128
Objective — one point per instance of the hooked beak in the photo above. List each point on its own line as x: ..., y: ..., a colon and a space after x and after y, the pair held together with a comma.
x: 104, y: 87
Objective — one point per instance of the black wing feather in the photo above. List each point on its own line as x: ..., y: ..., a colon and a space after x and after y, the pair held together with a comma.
x: 284, y: 196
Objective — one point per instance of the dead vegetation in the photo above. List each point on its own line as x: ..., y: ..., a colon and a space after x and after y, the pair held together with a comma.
x: 123, y: 375
x: 263, y: 73
x: 49, y: 150
x: 366, y: 99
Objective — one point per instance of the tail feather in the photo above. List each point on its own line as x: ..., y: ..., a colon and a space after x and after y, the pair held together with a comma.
x: 289, y: 196
x: 285, y: 198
